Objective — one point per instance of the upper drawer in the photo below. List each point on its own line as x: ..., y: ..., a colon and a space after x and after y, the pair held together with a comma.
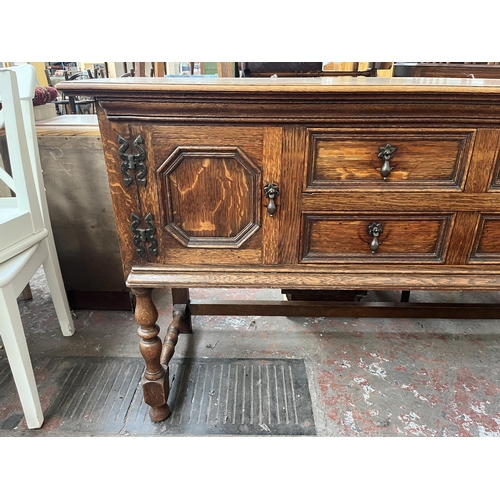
x: 388, y: 159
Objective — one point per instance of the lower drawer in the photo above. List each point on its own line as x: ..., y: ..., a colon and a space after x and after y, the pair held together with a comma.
x: 364, y: 237
x: 487, y: 243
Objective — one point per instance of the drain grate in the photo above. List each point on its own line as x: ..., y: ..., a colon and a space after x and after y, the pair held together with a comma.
x: 102, y: 396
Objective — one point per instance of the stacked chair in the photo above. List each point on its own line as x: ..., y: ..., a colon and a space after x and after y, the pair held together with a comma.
x: 26, y: 239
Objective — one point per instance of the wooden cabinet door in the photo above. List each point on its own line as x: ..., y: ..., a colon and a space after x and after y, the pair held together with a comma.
x: 205, y: 192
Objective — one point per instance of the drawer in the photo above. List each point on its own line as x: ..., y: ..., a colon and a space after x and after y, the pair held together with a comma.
x: 487, y: 242
x: 368, y: 237
x: 387, y: 159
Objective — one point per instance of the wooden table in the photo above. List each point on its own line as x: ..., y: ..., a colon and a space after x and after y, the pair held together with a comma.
x: 308, y: 184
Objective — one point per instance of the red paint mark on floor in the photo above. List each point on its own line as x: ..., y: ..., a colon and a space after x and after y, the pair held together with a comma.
x: 470, y: 407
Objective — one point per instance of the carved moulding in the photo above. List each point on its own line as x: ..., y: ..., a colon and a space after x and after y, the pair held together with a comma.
x: 210, y: 197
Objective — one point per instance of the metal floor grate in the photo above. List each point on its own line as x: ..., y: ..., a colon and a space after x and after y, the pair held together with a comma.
x: 102, y: 396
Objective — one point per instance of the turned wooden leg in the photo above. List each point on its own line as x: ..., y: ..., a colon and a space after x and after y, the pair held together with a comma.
x: 155, y: 383
x: 180, y: 300
x: 172, y: 335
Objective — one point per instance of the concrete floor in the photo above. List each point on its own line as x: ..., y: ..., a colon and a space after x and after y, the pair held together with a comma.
x: 367, y: 377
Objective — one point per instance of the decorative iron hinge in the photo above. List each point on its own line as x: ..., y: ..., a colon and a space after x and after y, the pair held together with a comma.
x: 132, y: 162
x: 143, y: 236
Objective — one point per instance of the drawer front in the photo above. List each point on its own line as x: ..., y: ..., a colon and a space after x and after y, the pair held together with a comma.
x: 384, y: 159
x: 363, y: 237
x: 486, y: 247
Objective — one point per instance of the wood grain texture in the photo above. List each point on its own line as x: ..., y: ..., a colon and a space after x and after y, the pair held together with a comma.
x: 421, y: 159
x: 157, y: 87
x: 155, y: 378
x: 205, y: 177
x: 209, y: 187
x: 405, y: 238
x: 309, y: 277
x: 461, y: 240
x: 125, y: 200
x: 382, y: 200
x: 211, y: 193
x: 486, y: 245
x: 271, y: 226
x: 323, y: 100
x: 484, y: 172
x: 211, y: 146
x: 294, y: 157
x: 448, y: 70
x: 346, y: 309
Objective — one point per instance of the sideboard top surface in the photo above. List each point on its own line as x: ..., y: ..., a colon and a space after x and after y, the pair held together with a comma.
x: 281, y: 85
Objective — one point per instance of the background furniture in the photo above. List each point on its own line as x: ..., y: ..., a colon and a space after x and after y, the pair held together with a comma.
x: 80, y: 105
x: 447, y: 69
x: 81, y: 213
x: 311, y: 69
x: 26, y: 240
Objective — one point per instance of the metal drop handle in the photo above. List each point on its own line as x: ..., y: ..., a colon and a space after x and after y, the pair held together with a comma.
x: 386, y: 153
x: 375, y: 229
x: 271, y: 191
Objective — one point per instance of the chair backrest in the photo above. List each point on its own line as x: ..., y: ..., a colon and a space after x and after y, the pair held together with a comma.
x: 23, y: 209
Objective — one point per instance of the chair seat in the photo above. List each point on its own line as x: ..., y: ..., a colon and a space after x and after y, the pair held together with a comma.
x: 9, y: 213
x: 16, y: 233
x: 14, y: 226
x: 10, y: 268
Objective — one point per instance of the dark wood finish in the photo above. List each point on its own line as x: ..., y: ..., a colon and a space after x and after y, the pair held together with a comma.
x: 486, y: 247
x: 172, y: 336
x: 307, y: 69
x: 436, y: 159
x: 341, y: 309
x: 405, y: 238
x: 447, y: 70
x: 326, y: 295
x: 155, y: 383
x: 211, y: 147
x: 201, y: 205
x: 321, y: 277
x: 99, y: 300
x: 180, y: 298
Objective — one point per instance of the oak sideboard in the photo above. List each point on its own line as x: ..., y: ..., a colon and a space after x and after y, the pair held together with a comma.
x: 307, y: 184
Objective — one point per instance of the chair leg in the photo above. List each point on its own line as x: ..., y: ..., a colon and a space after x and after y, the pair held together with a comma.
x: 57, y: 291
x: 16, y: 348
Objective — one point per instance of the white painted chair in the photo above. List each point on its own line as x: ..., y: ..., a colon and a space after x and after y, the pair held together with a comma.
x: 26, y: 240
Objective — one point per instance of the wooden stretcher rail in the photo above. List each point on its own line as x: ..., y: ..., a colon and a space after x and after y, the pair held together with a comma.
x: 345, y: 309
